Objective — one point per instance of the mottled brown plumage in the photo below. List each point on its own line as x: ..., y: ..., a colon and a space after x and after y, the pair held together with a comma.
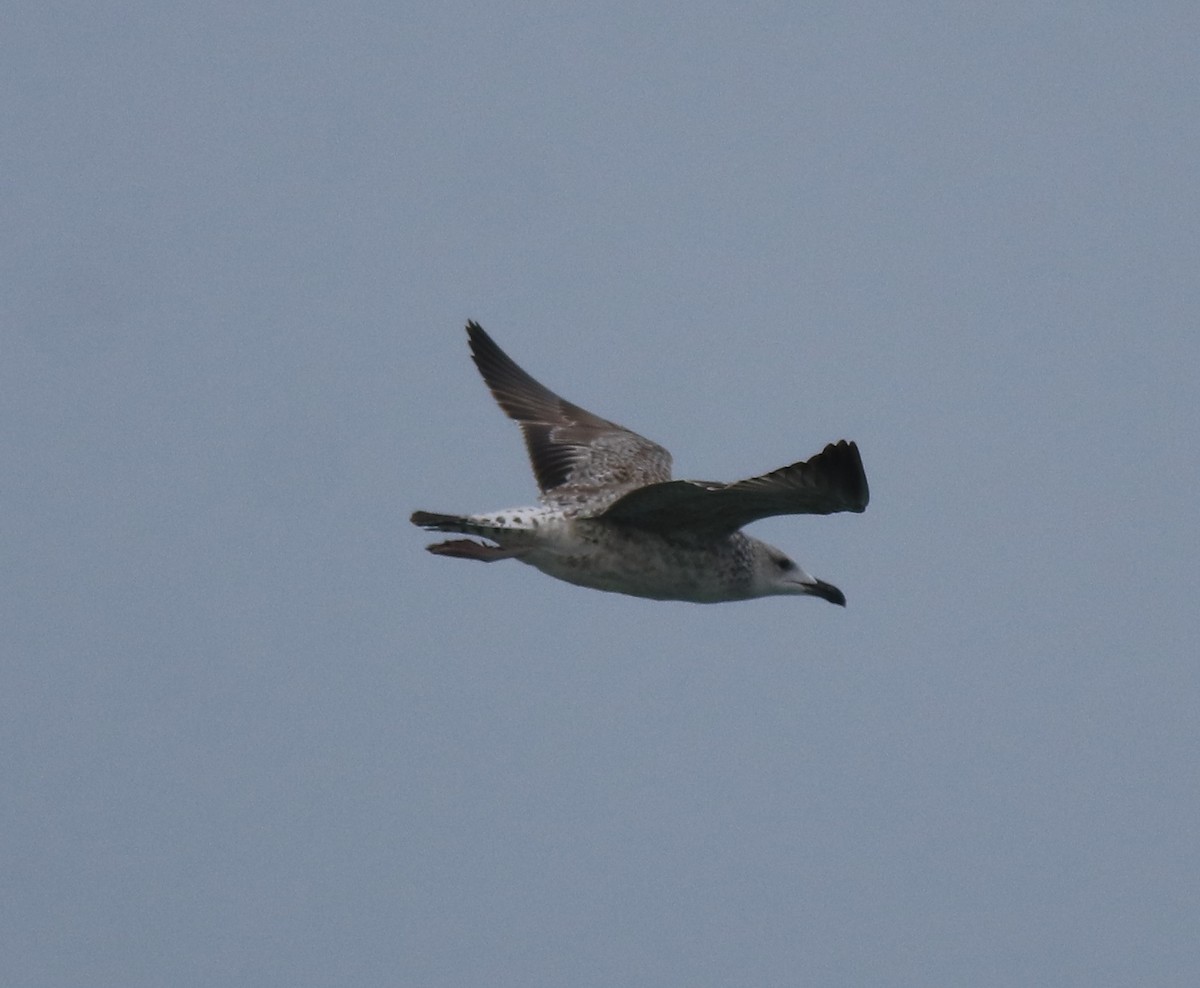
x: 612, y: 518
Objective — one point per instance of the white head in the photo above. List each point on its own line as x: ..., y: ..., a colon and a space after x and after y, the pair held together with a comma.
x: 774, y: 573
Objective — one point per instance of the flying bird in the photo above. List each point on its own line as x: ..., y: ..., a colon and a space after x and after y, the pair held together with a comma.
x: 611, y: 517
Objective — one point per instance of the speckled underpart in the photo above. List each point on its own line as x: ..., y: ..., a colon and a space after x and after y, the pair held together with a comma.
x: 612, y: 518
x: 644, y: 564
x: 596, y: 554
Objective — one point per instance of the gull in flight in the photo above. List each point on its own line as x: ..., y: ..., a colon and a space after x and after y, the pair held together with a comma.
x: 611, y: 517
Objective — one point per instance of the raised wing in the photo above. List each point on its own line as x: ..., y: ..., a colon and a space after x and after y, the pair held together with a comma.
x: 831, y: 481
x: 569, y: 447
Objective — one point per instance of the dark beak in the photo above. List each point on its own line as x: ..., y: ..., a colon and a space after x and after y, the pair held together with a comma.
x: 826, y: 591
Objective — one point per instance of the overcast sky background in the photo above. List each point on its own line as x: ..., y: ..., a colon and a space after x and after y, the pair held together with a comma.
x: 254, y: 734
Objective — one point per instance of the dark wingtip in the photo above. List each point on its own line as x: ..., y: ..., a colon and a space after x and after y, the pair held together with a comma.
x: 478, y: 339
x: 497, y: 367
x: 844, y: 458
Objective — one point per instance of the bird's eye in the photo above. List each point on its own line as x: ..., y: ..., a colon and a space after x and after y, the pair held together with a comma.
x: 784, y: 564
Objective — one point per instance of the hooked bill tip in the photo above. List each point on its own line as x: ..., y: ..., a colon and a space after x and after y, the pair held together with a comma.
x: 826, y: 591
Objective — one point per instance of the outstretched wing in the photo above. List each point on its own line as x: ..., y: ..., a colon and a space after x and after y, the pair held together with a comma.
x: 569, y: 447
x: 831, y: 481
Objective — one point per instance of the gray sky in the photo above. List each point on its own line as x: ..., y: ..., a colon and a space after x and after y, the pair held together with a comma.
x: 253, y: 734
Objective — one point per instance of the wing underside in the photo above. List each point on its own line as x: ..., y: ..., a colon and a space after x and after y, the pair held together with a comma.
x: 829, y: 482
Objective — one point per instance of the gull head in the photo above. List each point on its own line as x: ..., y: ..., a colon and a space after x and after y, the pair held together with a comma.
x: 775, y: 573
